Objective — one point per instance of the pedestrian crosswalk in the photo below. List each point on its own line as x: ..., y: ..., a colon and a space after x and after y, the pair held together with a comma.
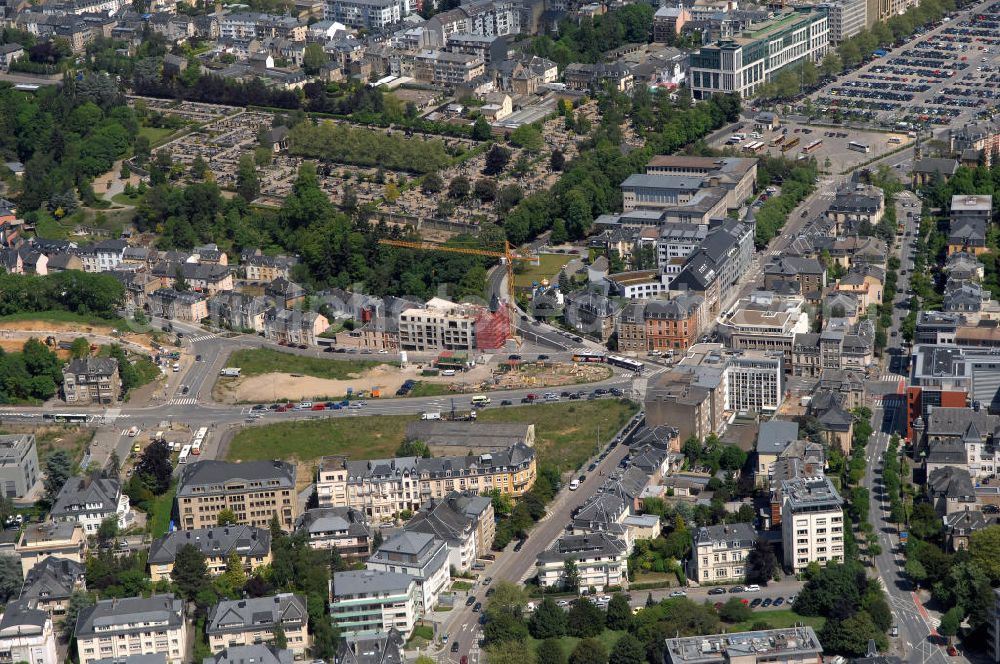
x: 203, y: 337
x: 891, y: 378
x: 183, y: 401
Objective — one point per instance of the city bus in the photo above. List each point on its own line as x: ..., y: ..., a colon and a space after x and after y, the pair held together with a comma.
x: 754, y: 146
x: 588, y: 357
x: 626, y: 363
x: 185, y: 453
x: 859, y: 147
x: 812, y: 147
x: 67, y: 417
x: 777, y: 140
x: 789, y: 144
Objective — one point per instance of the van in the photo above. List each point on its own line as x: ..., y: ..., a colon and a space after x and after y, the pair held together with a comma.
x: 436, y: 415
x: 176, y: 367
x: 753, y: 588
x: 574, y: 485
x: 305, y: 405
x: 480, y: 400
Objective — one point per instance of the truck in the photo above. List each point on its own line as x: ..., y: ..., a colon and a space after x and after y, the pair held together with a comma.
x: 231, y: 372
x: 431, y: 415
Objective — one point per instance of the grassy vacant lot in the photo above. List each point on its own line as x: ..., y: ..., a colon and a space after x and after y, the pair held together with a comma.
x: 780, y: 619
x: 156, y: 135
x: 565, y: 433
x: 548, y: 268
x: 159, y: 516
x: 59, y: 316
x: 608, y: 637
x: 424, y: 389
x: 263, y: 361
x: 72, y: 439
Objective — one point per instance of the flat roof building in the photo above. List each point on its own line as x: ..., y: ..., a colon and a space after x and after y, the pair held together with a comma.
x: 793, y: 645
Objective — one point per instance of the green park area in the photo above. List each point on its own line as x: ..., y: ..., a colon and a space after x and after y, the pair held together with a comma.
x: 566, y: 434
x: 258, y: 361
x: 548, y: 267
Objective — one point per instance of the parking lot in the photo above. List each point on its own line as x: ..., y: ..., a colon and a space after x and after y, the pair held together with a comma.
x: 947, y: 75
x: 829, y: 146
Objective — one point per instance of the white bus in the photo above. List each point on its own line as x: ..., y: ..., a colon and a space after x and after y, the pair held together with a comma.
x: 185, y: 453
x: 859, y: 147
x: 196, y: 448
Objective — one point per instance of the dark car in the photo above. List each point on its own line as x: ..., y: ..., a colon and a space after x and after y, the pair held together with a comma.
x: 779, y: 601
x: 514, y: 357
x: 489, y: 593
x: 470, y: 601
x: 185, y: 389
x: 506, y: 402
x: 582, y: 478
x: 601, y: 390
x: 736, y: 589
x: 766, y: 603
x: 478, y: 607
x: 717, y: 591
x: 455, y: 646
x: 617, y: 391
x: 543, y: 357
x: 755, y: 603
x: 520, y: 544
x: 274, y: 406
x: 527, y: 400
x: 197, y: 358
x: 591, y: 467
x: 574, y: 395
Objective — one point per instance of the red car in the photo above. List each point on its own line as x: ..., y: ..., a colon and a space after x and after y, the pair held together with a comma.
x: 283, y: 409
x: 952, y: 651
x: 319, y: 406
x: 532, y: 397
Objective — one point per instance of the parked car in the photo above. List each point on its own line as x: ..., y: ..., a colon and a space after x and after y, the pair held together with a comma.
x: 717, y: 591
x: 736, y: 589
x: 755, y: 603
x: 470, y: 601
x: 455, y: 646
x: 478, y: 607
x: 766, y: 603
x: 678, y: 593
x: 753, y: 588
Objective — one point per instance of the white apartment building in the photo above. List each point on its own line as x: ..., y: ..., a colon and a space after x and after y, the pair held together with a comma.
x: 748, y: 62
x: 444, y: 68
x: 367, y: 603
x: 117, y: 628
x: 440, y: 325
x: 367, y: 14
x: 102, y: 256
x: 847, y: 18
x: 720, y: 552
x: 601, y: 561
x: 812, y: 522
x: 755, y: 382
x: 419, y: 555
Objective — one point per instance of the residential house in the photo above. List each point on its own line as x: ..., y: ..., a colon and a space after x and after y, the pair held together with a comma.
x: 364, y: 603
x: 90, y: 501
x: 590, y: 313
x: 344, y: 529
x: 39, y: 541
x: 117, y: 628
x: 928, y: 170
x: 52, y: 582
x: 809, y: 273
x: 92, y: 380
x: 385, y: 648
x: 773, y: 438
x: 631, y: 328
x: 255, y: 491
x: 251, y: 545
x: 249, y: 621
x: 26, y: 633
x: 264, y: 269
x: 258, y: 653
x: 970, y: 215
x: 812, y: 522
x: 950, y: 490
x: 856, y: 207
x: 462, y: 522
x: 720, y: 552
x: 601, y: 562
x: 171, y: 304
x: 293, y: 327
x: 102, y: 256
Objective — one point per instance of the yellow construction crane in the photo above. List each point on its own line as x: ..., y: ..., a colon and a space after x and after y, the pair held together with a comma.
x: 507, y: 255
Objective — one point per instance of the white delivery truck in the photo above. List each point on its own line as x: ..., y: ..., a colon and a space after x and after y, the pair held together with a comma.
x: 431, y: 415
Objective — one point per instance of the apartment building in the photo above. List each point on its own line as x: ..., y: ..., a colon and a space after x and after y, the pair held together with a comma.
x: 251, y: 545
x: 26, y: 633
x: 345, y: 529
x: 745, y: 63
x: 365, y: 603
x: 983, y: 137
x: 249, y: 621
x: 247, y: 26
x: 439, y: 325
x: 265, y: 269
x: 713, y: 270
x: 812, y: 522
x: 631, y: 328
x: 102, y: 256
x: 185, y: 306
x: 255, y: 491
x: 792, y: 645
x: 854, y: 205
x: 207, y: 278
x: 90, y: 501
x: 846, y: 19
x: 754, y: 382
x: 39, y: 541
x: 258, y: 653
x: 601, y: 561
x: 675, y: 323
x: 366, y: 14
x: 676, y: 242
x: 92, y: 380
x: 118, y: 628
x: 735, y: 174
x: 689, y: 400
x: 840, y: 346
x: 382, y: 488
x: 719, y: 552
x: 18, y: 464
x: 444, y: 68
x: 419, y: 555
x: 807, y: 273
x: 464, y: 522
x: 765, y: 321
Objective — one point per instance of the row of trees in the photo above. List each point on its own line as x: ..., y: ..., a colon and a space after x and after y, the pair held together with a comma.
x: 352, y: 145
x: 32, y: 375
x: 797, y: 179
x: 73, y: 291
x: 854, y: 605
x: 588, y: 39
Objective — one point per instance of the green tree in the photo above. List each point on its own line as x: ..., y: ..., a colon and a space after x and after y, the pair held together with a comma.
x: 496, y: 160
x: 503, y: 504
x: 314, y: 58
x: 916, y: 571
x: 548, y: 620
x: 571, y: 575
x: 58, y: 469
x: 850, y: 636
x: 585, y: 619
x: 235, y: 574
x: 589, y: 651
x: 984, y: 547
x: 550, y: 651
x: 181, y: 284
x: 108, y: 530
x: 951, y: 622
x: 735, y: 611
x: 199, y: 168
x: 509, y: 652
x: 10, y: 578
x: 227, y: 517
x: 459, y: 188
x: 432, y: 184
x: 280, y: 639
x: 557, y: 160
x: 628, y: 650
x: 247, y: 181
x: 80, y: 348
x: 79, y: 600
x: 619, y: 613
x: 190, y: 573
x: 761, y: 563
x: 528, y: 137
x: 481, y: 129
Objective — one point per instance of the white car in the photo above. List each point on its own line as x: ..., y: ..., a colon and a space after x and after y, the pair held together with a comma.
x: 753, y: 588
x: 678, y: 593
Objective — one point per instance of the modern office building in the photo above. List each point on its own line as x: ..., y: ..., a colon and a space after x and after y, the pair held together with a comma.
x: 755, y: 382
x: 255, y: 491
x: 847, y: 18
x: 812, y: 522
x: 792, y: 645
x: 18, y: 464
x: 746, y: 63
x: 365, y: 14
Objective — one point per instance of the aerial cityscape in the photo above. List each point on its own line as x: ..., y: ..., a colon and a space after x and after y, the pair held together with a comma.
x: 499, y: 332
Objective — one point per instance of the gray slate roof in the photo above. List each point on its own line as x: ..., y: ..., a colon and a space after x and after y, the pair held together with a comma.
x: 774, y: 436
x: 367, y: 582
x: 114, y: 613
x: 258, y: 653
x: 218, y: 541
x: 214, y: 474
x: 257, y: 613
x: 53, y: 578
x: 83, y: 496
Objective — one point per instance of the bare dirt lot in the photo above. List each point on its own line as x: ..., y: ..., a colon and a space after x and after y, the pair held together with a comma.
x: 388, y: 379
x: 20, y: 330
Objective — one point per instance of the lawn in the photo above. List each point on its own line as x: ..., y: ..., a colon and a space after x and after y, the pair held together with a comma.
x: 259, y: 361
x: 156, y: 135
x: 608, y: 637
x: 779, y: 619
x: 59, y: 316
x: 422, y: 635
x: 548, y: 267
x: 48, y: 439
x: 563, y: 433
x: 125, y: 199
x: 462, y: 585
x: 158, y: 519
x: 422, y: 389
